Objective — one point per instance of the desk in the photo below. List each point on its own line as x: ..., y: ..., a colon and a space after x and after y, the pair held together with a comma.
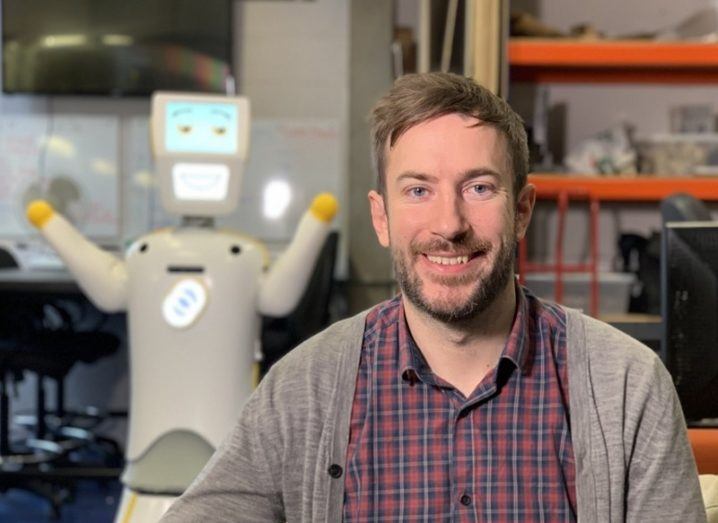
x: 646, y: 328
x: 27, y: 292
x: 38, y: 282
x: 704, y: 441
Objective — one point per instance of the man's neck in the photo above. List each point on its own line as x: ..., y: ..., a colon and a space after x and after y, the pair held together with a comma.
x: 462, y: 354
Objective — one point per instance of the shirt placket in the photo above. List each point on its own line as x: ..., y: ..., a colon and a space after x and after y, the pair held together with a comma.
x: 463, y: 491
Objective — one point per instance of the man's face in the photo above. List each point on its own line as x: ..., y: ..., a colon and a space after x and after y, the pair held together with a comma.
x: 449, y: 216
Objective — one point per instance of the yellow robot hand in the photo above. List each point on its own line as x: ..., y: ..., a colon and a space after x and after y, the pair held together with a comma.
x: 39, y: 212
x: 324, y: 207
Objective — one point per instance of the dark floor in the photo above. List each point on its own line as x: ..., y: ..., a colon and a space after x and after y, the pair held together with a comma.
x: 93, y: 502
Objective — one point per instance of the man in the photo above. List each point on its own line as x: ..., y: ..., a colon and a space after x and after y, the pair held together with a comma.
x: 465, y: 398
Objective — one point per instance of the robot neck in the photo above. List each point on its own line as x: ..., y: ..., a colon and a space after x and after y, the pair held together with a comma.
x: 203, y: 222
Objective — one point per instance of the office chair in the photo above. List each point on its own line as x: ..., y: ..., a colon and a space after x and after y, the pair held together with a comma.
x: 29, y: 344
x: 7, y: 260
x: 641, y: 255
x: 681, y: 207
x: 280, y: 335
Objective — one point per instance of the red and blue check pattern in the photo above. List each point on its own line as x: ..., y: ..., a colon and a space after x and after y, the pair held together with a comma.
x: 421, y: 451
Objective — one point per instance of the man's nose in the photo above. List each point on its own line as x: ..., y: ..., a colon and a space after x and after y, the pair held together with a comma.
x: 450, y: 220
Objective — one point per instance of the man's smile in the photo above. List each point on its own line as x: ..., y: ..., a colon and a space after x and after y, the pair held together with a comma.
x: 450, y: 264
x: 452, y: 259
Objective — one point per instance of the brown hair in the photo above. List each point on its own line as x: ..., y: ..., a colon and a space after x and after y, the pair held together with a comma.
x: 416, y: 98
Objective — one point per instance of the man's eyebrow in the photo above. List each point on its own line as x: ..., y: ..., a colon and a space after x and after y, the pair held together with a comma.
x: 416, y: 176
x: 480, y: 172
x: 465, y: 176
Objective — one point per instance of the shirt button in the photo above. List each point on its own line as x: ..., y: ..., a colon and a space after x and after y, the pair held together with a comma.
x: 335, y: 471
x: 465, y: 500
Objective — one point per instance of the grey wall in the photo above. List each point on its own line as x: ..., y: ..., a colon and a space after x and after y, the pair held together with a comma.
x: 371, y: 36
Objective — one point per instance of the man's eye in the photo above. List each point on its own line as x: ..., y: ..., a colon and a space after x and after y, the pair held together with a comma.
x: 417, y: 191
x: 219, y: 131
x: 184, y: 129
x: 479, y: 189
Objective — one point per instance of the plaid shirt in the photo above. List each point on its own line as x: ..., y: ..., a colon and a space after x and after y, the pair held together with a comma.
x: 420, y: 450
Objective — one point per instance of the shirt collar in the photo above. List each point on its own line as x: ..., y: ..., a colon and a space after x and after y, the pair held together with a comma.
x: 413, y: 366
x: 517, y: 348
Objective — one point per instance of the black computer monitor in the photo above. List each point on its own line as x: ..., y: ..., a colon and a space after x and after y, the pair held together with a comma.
x: 116, y: 47
x: 689, y: 305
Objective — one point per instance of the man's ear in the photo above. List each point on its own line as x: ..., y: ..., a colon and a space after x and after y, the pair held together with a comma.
x: 378, y: 218
x: 524, y: 209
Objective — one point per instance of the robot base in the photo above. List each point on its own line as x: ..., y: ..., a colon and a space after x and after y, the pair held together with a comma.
x: 142, y: 508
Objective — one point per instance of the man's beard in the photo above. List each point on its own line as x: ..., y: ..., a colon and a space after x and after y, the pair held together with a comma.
x: 487, y: 287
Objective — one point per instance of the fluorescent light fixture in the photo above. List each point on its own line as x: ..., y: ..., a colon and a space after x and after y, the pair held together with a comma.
x: 102, y: 166
x: 144, y: 178
x: 60, y: 146
x: 64, y: 40
x: 277, y: 197
x: 118, y: 40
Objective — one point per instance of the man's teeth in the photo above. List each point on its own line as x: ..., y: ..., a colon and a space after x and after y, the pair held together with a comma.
x: 441, y: 260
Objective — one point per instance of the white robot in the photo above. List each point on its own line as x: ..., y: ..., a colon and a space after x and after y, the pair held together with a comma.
x: 194, y: 295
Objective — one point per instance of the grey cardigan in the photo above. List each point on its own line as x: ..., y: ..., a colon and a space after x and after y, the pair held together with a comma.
x: 633, y: 460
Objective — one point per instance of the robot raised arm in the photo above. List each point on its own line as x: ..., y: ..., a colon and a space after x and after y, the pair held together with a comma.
x: 101, y: 275
x: 281, y: 289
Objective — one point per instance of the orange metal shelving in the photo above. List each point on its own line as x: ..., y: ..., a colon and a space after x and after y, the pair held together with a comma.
x: 574, y: 61
x: 625, y: 188
x: 630, y: 61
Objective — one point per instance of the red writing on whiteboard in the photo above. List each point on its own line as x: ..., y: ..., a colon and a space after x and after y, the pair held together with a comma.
x: 99, y: 215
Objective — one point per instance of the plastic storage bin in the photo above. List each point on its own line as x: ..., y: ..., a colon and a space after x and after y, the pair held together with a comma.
x: 614, y: 290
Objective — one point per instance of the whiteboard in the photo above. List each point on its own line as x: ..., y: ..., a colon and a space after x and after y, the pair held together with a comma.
x: 101, y: 166
x: 306, y: 155
x: 140, y: 180
x: 69, y: 160
x: 20, y: 141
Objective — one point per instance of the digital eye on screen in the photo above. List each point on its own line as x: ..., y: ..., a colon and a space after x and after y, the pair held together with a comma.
x: 200, y: 127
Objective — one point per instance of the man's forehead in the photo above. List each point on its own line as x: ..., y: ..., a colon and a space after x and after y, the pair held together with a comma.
x: 417, y: 141
x: 470, y: 121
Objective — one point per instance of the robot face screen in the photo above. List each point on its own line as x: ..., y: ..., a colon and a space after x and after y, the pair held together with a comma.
x: 201, y: 127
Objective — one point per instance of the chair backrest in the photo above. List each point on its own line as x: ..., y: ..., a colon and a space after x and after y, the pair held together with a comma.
x: 681, y: 207
x: 18, y: 317
x: 312, y: 312
x: 7, y: 260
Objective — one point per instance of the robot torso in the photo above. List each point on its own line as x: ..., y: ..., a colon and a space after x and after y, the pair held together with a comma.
x: 193, y: 328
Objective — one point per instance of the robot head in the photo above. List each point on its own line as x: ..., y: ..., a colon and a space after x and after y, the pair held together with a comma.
x: 200, y: 143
